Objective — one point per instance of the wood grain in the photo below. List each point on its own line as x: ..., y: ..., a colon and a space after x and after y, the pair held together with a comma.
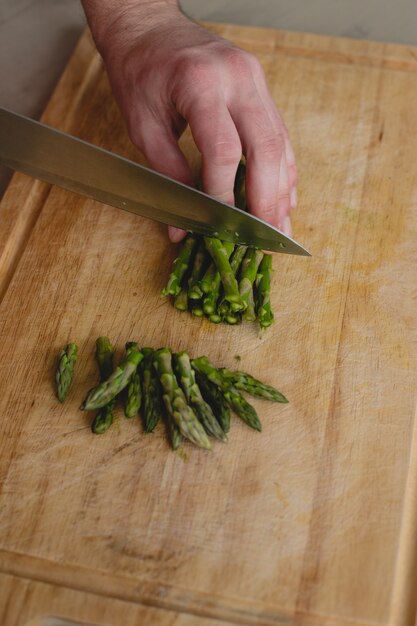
x: 25, y: 602
x: 309, y: 523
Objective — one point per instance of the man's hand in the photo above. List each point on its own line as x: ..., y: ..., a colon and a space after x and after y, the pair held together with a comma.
x: 166, y: 71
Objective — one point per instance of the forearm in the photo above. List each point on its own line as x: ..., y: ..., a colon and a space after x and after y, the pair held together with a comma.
x: 126, y: 20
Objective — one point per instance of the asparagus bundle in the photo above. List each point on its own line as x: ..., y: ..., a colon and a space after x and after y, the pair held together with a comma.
x: 192, y: 396
x: 220, y: 281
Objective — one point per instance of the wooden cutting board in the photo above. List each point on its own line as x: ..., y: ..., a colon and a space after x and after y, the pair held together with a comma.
x: 311, y: 522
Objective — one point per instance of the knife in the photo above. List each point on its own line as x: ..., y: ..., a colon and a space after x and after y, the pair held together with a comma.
x: 61, y: 159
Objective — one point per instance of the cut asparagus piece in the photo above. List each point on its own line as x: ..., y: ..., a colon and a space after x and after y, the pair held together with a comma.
x: 236, y: 401
x: 104, y: 418
x: 133, y: 398
x: 263, y: 287
x: 212, y: 394
x: 115, y: 383
x: 201, y: 259
x: 214, y: 284
x: 174, y: 433
x: 181, y: 301
x: 104, y: 355
x: 180, y: 266
x: 221, y: 259
x: 186, y: 377
x: 223, y: 306
x: 248, y: 272
x: 65, y: 370
x: 153, y: 408
x: 249, y: 314
x: 176, y: 403
x: 251, y: 385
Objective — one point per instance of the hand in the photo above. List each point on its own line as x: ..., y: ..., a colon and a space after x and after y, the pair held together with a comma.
x: 167, y: 71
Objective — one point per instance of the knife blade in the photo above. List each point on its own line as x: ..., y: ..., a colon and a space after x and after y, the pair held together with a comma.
x: 61, y: 159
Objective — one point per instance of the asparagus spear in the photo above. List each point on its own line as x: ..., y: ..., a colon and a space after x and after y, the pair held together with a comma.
x: 181, y: 300
x: 223, y: 306
x: 153, y: 409
x: 248, y: 272
x: 249, y: 314
x: 251, y: 385
x: 65, y: 370
x: 133, y: 398
x: 180, y: 266
x: 104, y: 355
x: 176, y: 403
x: 115, y: 383
x: 221, y: 259
x: 263, y: 286
x: 236, y: 401
x: 212, y: 394
x: 232, y: 318
x: 214, y: 283
x: 186, y: 377
x: 174, y: 433
x: 200, y: 260
x: 239, y: 187
x: 104, y: 418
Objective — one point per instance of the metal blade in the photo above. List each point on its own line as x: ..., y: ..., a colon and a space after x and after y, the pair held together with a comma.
x: 55, y: 157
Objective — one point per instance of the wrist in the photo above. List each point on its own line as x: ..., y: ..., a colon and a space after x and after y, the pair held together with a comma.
x: 117, y: 28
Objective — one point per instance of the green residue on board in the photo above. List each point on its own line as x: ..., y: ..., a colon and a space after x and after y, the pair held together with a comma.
x: 182, y: 454
x: 350, y: 214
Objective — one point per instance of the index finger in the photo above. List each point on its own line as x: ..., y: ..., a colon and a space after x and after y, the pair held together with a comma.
x: 217, y: 140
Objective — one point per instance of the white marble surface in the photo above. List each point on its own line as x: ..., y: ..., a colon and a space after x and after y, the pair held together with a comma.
x: 38, y: 36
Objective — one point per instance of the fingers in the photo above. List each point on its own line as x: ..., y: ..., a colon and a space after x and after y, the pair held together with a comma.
x: 277, y: 123
x: 159, y: 145
x: 267, y: 183
x: 218, y: 141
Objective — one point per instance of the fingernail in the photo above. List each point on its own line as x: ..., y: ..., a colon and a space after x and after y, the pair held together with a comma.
x: 286, y: 226
x: 175, y: 234
x: 293, y: 197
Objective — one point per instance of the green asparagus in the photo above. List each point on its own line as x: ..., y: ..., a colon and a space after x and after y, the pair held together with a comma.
x: 181, y: 265
x: 223, y: 306
x: 236, y: 401
x: 65, y: 370
x: 263, y: 287
x: 251, y: 385
x: 104, y: 355
x: 212, y: 295
x: 153, y: 409
x: 213, y: 395
x: 221, y: 259
x: 249, y: 314
x: 115, y: 383
x: 181, y: 300
x: 240, y: 187
x: 176, y: 403
x: 186, y: 377
x: 200, y: 261
x: 248, y: 272
x: 133, y: 398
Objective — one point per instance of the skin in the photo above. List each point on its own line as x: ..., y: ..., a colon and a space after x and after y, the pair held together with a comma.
x: 166, y: 72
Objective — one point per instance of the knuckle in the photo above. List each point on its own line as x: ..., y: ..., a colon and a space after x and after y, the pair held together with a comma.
x: 240, y: 62
x: 195, y: 69
x: 267, y: 209
x: 270, y: 149
x: 224, y: 151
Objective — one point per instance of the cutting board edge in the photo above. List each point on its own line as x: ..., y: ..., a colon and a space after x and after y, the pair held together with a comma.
x: 343, y: 50
x: 160, y: 595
